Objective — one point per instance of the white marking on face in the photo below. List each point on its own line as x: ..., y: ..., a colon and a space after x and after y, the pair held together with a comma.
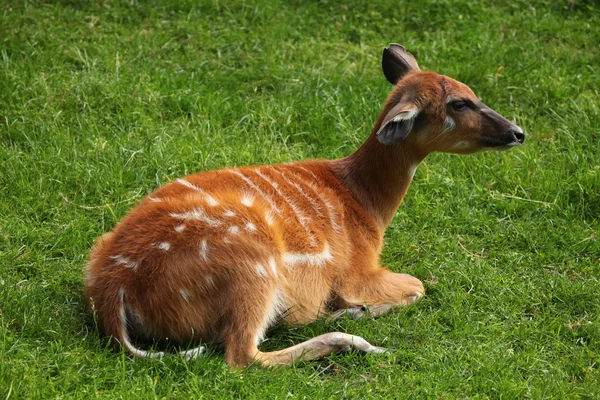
x: 185, y: 295
x: 124, y: 261
x: 265, y: 196
x: 463, y: 144
x: 247, y: 199
x: 197, y: 213
x: 209, y: 199
x: 449, y: 124
x: 250, y: 226
x: 261, y: 271
x: 180, y: 228
x: 233, y: 230
x: 319, y: 259
x: 229, y: 213
x: 204, y: 250
x: 165, y: 246
x: 273, y: 266
x: 450, y: 99
x: 303, y: 219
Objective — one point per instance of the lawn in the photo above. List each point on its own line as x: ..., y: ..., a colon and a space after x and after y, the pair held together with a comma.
x: 102, y: 102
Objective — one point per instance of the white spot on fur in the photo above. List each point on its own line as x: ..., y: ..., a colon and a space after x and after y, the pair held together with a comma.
x: 250, y: 226
x: 319, y: 259
x: 449, y: 124
x: 261, y: 271
x: 234, y: 230
x: 228, y: 213
x: 211, y: 200
x: 247, y: 199
x: 164, y: 246
x: 204, y: 250
x: 180, y: 228
x: 273, y: 266
x: 154, y: 199
x: 208, y: 279
x: 197, y: 213
x: 124, y: 261
x: 185, y: 295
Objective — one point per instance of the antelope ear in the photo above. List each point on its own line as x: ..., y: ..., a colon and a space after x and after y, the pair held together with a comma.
x: 397, y: 62
x: 397, y: 124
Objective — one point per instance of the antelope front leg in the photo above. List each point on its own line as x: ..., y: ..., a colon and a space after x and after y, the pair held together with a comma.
x: 378, y: 291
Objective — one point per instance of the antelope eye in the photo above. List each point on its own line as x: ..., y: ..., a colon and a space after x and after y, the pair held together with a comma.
x: 459, y: 105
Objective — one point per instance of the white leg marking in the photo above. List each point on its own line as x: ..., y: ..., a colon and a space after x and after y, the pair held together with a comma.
x: 261, y: 271
x: 180, y: 228
x: 303, y: 219
x: 199, y: 214
x: 413, y: 169
x: 165, y: 246
x: 250, y: 226
x: 265, y: 196
x: 234, y: 230
x: 185, y: 295
x: 278, y: 307
x: 124, y: 261
x: 204, y: 250
x: 209, y: 199
x: 319, y: 259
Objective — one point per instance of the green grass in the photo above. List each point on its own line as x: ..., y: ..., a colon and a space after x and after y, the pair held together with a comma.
x: 102, y: 102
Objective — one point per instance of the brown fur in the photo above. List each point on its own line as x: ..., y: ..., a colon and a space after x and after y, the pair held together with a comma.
x: 192, y: 262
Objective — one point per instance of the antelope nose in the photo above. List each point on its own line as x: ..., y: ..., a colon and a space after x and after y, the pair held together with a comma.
x: 517, y: 134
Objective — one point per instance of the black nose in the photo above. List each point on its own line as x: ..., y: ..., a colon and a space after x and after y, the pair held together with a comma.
x: 518, y: 135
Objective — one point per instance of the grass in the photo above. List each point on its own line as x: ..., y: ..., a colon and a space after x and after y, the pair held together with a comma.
x: 102, y: 102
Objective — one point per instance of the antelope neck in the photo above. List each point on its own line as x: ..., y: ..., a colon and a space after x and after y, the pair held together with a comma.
x: 379, y: 175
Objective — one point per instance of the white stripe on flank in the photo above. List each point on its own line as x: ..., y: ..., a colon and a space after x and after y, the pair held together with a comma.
x: 333, y: 215
x: 303, y: 219
x: 261, y: 271
x: 204, y: 250
x: 124, y: 261
x: 209, y: 199
x: 315, y: 205
x: 197, y: 213
x: 310, y: 172
x: 258, y: 190
x: 164, y: 246
x: 319, y: 259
